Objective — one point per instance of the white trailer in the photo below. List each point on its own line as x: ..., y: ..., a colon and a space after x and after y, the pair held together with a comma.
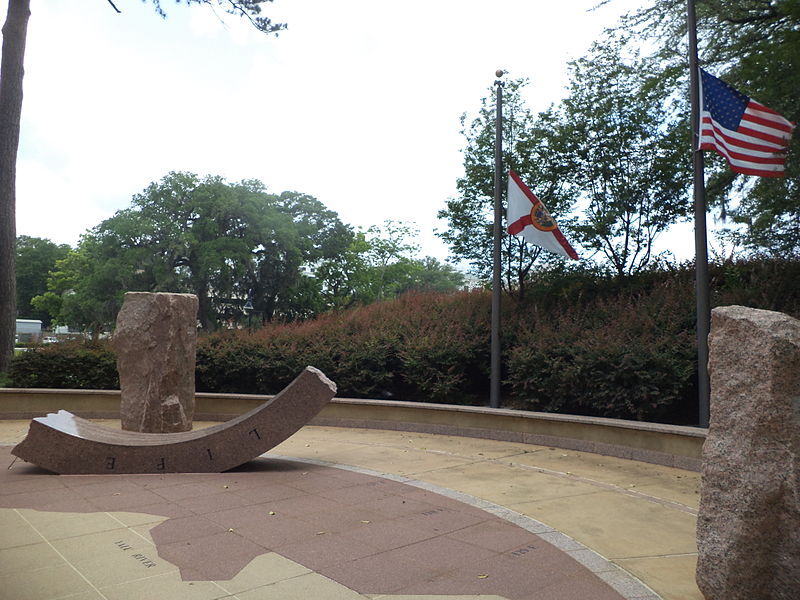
x: 29, y: 330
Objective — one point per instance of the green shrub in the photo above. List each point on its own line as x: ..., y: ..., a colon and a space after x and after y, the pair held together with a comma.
x: 227, y: 364
x: 629, y: 356
x: 248, y: 363
x: 445, y: 354
x: 771, y: 284
x: 357, y: 349
x: 67, y: 365
x: 580, y: 342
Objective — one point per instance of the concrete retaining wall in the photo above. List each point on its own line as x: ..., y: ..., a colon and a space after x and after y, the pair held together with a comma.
x: 668, y: 445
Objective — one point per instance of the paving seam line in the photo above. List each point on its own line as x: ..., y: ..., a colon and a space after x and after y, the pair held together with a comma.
x: 566, y: 475
x: 64, y: 558
x: 609, y: 486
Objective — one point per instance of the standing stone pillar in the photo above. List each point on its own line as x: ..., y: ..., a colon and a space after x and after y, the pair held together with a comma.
x: 748, y: 529
x: 155, y: 342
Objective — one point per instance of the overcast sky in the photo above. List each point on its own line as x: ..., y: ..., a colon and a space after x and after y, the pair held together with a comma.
x: 357, y: 103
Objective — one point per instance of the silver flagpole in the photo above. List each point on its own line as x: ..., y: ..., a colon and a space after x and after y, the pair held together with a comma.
x: 700, y: 238
x: 494, y: 388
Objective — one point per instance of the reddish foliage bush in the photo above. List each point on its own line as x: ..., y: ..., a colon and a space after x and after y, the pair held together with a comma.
x: 630, y: 357
x: 579, y: 344
x: 419, y: 347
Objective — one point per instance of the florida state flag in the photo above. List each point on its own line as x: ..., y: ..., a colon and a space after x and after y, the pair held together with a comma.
x: 528, y: 217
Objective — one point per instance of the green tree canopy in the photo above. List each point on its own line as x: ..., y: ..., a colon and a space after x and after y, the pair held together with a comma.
x: 607, y: 162
x: 533, y: 148
x: 36, y: 257
x: 226, y: 243
x: 15, y: 31
x: 284, y: 277
x: 755, y: 46
x: 83, y: 290
x: 381, y: 263
x: 629, y: 164
x: 249, y: 9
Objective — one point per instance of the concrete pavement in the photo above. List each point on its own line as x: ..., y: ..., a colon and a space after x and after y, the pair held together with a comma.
x: 639, y: 517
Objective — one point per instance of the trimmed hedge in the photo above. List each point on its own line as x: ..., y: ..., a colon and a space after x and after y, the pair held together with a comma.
x: 67, y: 365
x: 419, y: 347
x: 581, y: 343
x: 634, y: 366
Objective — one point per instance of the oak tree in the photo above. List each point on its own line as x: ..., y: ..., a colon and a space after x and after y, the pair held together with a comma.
x: 11, y: 78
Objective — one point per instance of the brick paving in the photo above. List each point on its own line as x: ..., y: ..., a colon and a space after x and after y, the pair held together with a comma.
x: 295, y: 525
x: 371, y: 535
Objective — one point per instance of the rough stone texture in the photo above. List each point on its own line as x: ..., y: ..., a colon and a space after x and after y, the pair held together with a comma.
x: 155, y: 341
x: 748, y: 529
x: 64, y: 443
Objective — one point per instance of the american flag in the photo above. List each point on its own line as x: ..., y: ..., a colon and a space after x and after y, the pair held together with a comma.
x: 750, y: 136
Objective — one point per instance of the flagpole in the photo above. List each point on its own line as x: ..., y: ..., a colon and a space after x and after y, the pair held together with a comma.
x: 700, y: 237
x: 494, y: 387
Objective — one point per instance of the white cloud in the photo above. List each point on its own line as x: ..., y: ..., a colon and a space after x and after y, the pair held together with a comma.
x: 357, y: 103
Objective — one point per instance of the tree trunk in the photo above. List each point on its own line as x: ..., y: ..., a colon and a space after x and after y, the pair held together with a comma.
x: 11, y: 73
x: 205, y: 309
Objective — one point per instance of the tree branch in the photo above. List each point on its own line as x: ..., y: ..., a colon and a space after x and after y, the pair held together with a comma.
x: 766, y: 16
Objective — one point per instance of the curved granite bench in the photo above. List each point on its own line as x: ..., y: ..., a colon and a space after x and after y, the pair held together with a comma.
x: 67, y: 444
